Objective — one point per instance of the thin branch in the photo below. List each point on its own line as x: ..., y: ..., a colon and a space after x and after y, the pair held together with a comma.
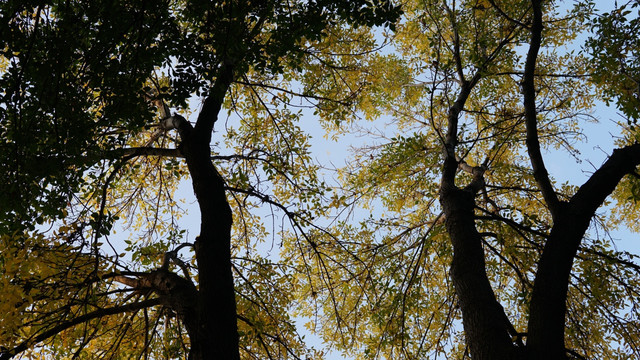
x: 456, y: 44
x: 246, y: 82
x: 542, y: 75
x: 148, y: 151
x: 506, y: 16
x: 77, y: 321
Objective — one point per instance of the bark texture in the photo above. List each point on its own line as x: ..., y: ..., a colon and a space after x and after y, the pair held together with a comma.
x: 485, y: 324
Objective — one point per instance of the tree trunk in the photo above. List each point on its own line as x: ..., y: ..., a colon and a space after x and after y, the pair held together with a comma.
x: 485, y: 324
x: 548, y: 304
x: 217, y: 332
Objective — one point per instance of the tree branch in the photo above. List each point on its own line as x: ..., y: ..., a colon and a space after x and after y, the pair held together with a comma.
x: 528, y: 90
x: 477, y: 173
x: 148, y: 151
x: 549, y: 295
x: 450, y: 161
x: 601, y: 184
x: 506, y: 16
x: 5, y: 355
x: 213, y: 103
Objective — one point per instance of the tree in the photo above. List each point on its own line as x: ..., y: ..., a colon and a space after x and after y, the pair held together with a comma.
x: 472, y: 249
x: 83, y: 84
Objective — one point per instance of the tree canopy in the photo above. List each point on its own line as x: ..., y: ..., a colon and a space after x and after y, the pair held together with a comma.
x: 444, y: 235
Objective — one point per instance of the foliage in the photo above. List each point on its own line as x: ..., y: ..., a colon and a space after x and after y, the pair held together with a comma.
x: 615, y: 63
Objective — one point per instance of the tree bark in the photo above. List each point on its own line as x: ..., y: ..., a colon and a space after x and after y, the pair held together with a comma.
x: 485, y: 323
x: 217, y: 334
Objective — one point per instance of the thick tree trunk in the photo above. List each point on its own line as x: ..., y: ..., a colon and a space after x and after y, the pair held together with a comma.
x: 485, y: 323
x: 549, y: 297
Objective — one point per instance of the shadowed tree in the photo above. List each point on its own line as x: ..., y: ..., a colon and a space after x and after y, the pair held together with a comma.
x: 88, y: 138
